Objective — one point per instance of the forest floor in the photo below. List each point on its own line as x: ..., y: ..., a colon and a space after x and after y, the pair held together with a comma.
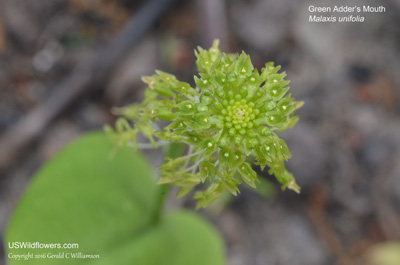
x: 345, y: 148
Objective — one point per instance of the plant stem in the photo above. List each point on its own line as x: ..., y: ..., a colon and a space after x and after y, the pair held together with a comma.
x: 150, y: 145
x: 174, y: 150
x: 162, y: 194
x: 189, y: 154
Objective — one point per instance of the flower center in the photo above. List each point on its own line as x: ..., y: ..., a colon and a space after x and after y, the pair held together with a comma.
x: 238, y: 115
x: 240, y: 112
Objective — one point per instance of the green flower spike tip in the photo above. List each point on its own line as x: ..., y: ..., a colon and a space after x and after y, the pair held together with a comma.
x: 233, y: 113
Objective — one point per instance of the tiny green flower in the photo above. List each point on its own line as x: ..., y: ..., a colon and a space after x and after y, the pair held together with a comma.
x: 234, y: 113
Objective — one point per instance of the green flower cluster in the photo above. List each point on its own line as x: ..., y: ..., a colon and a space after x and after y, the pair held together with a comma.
x: 229, y: 120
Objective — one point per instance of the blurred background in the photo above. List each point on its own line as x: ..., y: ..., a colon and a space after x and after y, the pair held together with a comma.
x: 65, y: 63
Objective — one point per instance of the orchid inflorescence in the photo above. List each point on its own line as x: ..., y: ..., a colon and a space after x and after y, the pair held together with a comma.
x: 230, y: 119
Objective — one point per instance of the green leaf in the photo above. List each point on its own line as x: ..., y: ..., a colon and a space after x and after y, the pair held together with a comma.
x: 182, y: 238
x: 104, y: 201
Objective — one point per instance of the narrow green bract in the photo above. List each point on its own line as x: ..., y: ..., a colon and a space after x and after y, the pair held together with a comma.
x: 233, y: 113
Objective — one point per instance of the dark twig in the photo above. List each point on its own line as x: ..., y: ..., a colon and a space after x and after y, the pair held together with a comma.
x: 85, y: 77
